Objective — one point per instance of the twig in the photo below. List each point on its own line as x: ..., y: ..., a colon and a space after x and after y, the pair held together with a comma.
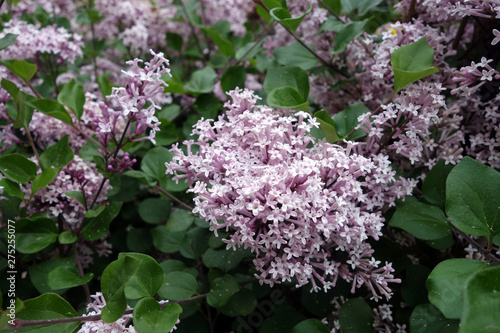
x: 193, y: 32
x: 411, y: 11
x: 484, y: 252
x: 159, y: 189
x: 460, y: 32
x: 26, y: 323
x: 81, y: 273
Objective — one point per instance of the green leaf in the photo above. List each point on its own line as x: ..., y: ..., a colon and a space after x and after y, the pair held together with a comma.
x: 426, y: 318
x: 154, y: 210
x: 113, y: 281
x: 91, y: 213
x: 177, y: 286
x: 98, y: 226
x: 24, y: 112
x: 48, y: 306
x: 67, y: 277
x: 294, y: 77
x: 43, y: 179
x: 195, y: 243
x: 243, y: 303
x: 411, y: 63
x: 175, y: 85
x: 149, y: 318
x: 362, y: 6
x: 310, y: 326
x: 22, y: 69
x: 472, y: 198
x: 233, y: 77
x: 286, y: 98
x: 57, y: 155
x: 482, y: 303
x: 224, y: 259
x: 180, y: 220
x: 346, y: 120
x: 105, y: 86
x: 334, y: 5
x: 421, y: 220
x: 202, y: 81
x: 78, y: 195
x: 327, y: 126
x: 356, y: 316
x: 148, y: 278
x: 11, y: 188
x: 174, y: 41
x: 18, y: 168
x: 224, y: 45
x: 53, y: 109
x: 166, y: 241
x: 153, y: 163
x: 66, y: 237
x: 39, y: 273
x: 285, y: 19
x: 434, y: 186
x: 221, y: 290
x: 446, y: 284
x: 347, y: 34
x: 295, y: 55
x: 208, y: 105
x: 249, y: 51
x: 35, y: 235
x: 73, y: 96
x: 7, y: 40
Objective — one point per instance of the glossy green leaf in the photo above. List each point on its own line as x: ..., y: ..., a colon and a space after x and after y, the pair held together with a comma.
x: 35, y: 235
x: 148, y: 279
x: 48, y: 306
x: 18, y: 168
x: 113, y: 281
x: 39, y: 273
x: 78, y: 195
x: 58, y: 155
x: 346, y: 120
x: 105, y: 86
x: 223, y: 259
x: 180, y: 220
x: 73, y: 96
x: 174, y: 41
x: 249, y: 51
x: 310, y: 326
x: 356, y: 316
x: 361, y: 6
x: 446, y: 284
x: 421, y: 220
x: 175, y: 85
x: 202, y: 81
x: 153, y: 163
x: 233, y: 77
x: 285, y: 19
x: 195, y: 243
x: 154, y: 210
x: 243, y: 303
x: 43, y: 179
x: 149, y: 318
x: 473, y: 198
x: 221, y: 290
x: 66, y: 237
x: 67, y: 277
x: 24, y: 111
x: 224, y: 45
x: 208, y: 105
x: 98, y: 226
x: 22, y: 69
x: 52, y: 108
x: 287, y: 98
x: 166, y: 241
x: 11, y: 188
x: 347, y: 34
x: 294, y: 77
x: 295, y: 55
x: 334, y: 5
x: 327, y: 126
x: 434, y: 186
x: 482, y: 302
x: 426, y: 318
x: 411, y: 63
x: 7, y: 40
x: 177, y: 286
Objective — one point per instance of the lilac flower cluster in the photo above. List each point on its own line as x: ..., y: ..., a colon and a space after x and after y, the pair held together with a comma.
x: 478, y: 74
x: 34, y: 41
x: 135, y: 102
x: 295, y: 207
x: 79, y: 175
x: 234, y: 11
x: 122, y: 325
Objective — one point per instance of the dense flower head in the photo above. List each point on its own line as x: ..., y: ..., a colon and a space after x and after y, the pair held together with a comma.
x: 137, y: 100
x: 260, y: 176
x: 33, y: 41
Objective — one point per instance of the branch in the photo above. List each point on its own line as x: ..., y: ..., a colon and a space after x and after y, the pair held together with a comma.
x: 26, y: 323
x: 159, y: 189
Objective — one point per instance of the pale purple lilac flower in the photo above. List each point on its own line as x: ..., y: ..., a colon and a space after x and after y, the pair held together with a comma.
x: 293, y: 206
x: 234, y: 11
x: 472, y: 77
